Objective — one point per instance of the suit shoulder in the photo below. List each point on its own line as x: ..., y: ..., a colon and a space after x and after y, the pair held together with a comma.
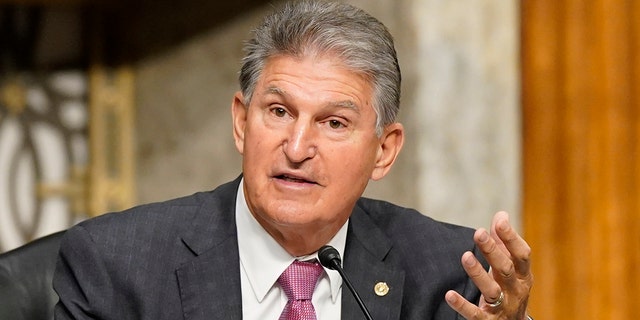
x: 397, y: 221
x: 147, y: 213
x: 166, y: 214
x: 160, y: 219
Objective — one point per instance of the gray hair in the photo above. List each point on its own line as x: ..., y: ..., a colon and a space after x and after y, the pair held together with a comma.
x: 313, y: 27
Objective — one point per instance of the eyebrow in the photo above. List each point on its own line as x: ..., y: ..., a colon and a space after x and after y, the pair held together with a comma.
x: 348, y: 104
x: 275, y: 90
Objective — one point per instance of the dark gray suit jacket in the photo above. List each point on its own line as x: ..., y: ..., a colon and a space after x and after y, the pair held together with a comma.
x: 179, y: 260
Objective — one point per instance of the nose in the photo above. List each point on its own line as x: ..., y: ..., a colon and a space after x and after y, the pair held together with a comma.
x: 300, y: 144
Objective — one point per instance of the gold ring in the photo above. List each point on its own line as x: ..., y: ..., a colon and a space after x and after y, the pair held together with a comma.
x: 498, y: 302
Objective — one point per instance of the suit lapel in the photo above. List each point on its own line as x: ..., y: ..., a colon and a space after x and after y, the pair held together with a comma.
x: 209, y: 283
x: 365, y: 265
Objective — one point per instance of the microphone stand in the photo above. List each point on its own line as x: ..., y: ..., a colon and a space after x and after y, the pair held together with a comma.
x: 330, y: 258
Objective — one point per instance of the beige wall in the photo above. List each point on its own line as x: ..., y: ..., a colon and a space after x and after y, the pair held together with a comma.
x: 459, y: 105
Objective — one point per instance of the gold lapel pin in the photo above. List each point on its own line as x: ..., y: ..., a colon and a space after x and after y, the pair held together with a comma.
x: 381, y: 289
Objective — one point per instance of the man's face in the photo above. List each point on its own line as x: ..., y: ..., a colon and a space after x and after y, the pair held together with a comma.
x: 309, y: 143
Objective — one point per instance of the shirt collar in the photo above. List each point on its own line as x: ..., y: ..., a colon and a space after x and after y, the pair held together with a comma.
x: 263, y: 259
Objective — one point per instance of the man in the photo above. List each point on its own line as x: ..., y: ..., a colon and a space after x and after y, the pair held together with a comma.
x: 314, y: 121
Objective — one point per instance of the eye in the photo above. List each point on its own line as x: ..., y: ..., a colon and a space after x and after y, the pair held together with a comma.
x: 335, y: 124
x: 279, y: 112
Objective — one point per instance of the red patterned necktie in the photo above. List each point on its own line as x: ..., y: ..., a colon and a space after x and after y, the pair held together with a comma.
x: 298, y: 282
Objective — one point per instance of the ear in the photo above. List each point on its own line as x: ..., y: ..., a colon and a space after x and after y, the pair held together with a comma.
x: 391, y: 143
x: 239, y: 117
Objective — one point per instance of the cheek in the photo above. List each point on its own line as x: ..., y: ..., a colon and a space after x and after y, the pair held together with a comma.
x: 258, y: 147
x: 260, y: 151
x: 251, y: 154
x: 362, y: 154
x: 353, y: 162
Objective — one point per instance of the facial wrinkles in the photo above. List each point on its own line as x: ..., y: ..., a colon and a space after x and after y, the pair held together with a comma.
x: 312, y: 107
x: 304, y: 91
x: 347, y: 104
x: 314, y: 81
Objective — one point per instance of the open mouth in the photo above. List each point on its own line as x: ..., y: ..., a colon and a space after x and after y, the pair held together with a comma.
x: 293, y: 179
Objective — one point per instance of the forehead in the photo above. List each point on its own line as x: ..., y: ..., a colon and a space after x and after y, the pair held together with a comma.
x: 319, y: 76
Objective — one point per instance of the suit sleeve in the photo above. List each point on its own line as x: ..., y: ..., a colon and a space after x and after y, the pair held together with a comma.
x: 81, y: 279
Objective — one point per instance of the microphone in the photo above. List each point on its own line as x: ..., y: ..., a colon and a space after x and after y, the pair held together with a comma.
x: 330, y: 258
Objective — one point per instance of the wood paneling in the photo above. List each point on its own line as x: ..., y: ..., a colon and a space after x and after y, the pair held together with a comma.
x: 581, y: 111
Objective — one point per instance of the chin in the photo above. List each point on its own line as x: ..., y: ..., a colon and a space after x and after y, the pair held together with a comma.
x: 292, y: 216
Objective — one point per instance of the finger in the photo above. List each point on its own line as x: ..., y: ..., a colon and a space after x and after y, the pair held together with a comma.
x: 518, y: 249
x: 465, y: 308
x: 489, y: 288
x: 499, y: 260
x: 498, y: 218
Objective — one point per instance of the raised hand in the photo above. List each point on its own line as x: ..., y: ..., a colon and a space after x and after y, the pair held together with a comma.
x: 505, y: 288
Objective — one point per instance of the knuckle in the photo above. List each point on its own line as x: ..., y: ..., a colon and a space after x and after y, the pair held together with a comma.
x: 474, y: 273
x: 506, y: 270
x: 524, y: 254
x: 489, y: 247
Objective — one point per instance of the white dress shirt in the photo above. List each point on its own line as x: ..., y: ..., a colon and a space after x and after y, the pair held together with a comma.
x: 262, y: 260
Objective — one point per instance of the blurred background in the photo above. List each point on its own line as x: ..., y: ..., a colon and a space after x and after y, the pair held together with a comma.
x: 526, y: 106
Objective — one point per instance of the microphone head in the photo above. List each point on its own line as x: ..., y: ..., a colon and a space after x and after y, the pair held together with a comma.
x: 329, y: 257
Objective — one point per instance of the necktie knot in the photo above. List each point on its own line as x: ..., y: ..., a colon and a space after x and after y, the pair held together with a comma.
x: 298, y: 282
x: 299, y: 279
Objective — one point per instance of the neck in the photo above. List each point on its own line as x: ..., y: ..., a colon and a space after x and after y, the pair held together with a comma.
x: 301, y: 240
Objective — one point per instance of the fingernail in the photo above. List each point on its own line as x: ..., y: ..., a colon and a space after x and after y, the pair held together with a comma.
x: 470, y: 262
x: 484, y: 237
x: 504, y: 225
x: 451, y: 298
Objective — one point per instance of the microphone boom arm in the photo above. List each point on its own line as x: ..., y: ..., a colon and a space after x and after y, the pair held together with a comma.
x: 330, y: 258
